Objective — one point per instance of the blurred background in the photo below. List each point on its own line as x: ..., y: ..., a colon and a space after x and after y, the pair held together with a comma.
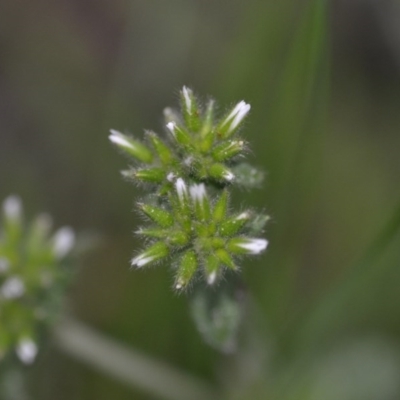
x: 323, y: 79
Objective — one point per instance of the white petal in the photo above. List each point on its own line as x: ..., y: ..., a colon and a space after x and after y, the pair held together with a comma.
x: 254, y: 246
x: 27, y: 351
x: 63, y: 241
x: 141, y: 260
x: 211, y: 278
x: 198, y: 192
x: 119, y: 139
x: 243, y: 111
x: 181, y: 189
x: 237, y: 115
x: 188, y: 100
x: 171, y: 127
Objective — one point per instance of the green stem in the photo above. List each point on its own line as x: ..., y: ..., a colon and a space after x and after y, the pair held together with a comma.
x: 129, y: 366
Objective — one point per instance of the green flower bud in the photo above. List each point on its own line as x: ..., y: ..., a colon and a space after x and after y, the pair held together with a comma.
x: 207, y: 130
x: 211, y: 268
x: 221, y: 207
x: 227, y: 150
x: 158, y: 215
x: 187, y: 268
x: 152, y: 175
x: 163, y: 152
x: 180, y: 135
x: 232, y: 225
x: 221, y: 173
x: 177, y: 238
x: 155, y: 252
x: 190, y: 109
x: 154, y: 233
x: 131, y: 146
x: 225, y: 258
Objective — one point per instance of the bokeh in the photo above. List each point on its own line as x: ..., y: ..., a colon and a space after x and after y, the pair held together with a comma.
x: 323, y: 79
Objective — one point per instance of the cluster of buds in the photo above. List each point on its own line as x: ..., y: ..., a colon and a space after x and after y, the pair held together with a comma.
x: 32, y: 277
x: 191, y: 171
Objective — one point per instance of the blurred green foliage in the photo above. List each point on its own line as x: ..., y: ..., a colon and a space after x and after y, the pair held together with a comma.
x: 324, y: 302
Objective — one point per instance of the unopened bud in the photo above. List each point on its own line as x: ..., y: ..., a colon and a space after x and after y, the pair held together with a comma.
x: 158, y: 215
x: 156, y: 252
x: 186, y: 270
x: 221, y: 173
x: 163, y: 152
x: 232, y: 225
x: 180, y: 135
x: 227, y: 150
x: 221, y: 207
x: 225, y: 258
x: 243, y: 245
x: 152, y: 175
x: 131, y: 146
x: 231, y: 122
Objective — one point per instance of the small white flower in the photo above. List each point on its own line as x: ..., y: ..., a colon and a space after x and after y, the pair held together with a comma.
x: 198, y: 192
x: 236, y: 116
x: 63, y: 241
x: 142, y: 260
x: 253, y: 245
x: 187, y: 97
x: 181, y: 189
x: 27, y: 350
x: 12, y: 288
x: 12, y: 207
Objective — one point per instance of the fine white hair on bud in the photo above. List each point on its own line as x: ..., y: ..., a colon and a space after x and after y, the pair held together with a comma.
x: 63, y: 241
x: 253, y: 245
x: 181, y: 189
x: 119, y: 139
x: 12, y: 288
x: 198, y: 192
x: 188, y: 101
x: 142, y: 260
x: 12, y: 207
x: 237, y: 115
x: 27, y: 350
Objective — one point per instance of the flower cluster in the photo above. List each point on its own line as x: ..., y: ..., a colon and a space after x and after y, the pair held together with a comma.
x: 192, y: 170
x: 32, y: 278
